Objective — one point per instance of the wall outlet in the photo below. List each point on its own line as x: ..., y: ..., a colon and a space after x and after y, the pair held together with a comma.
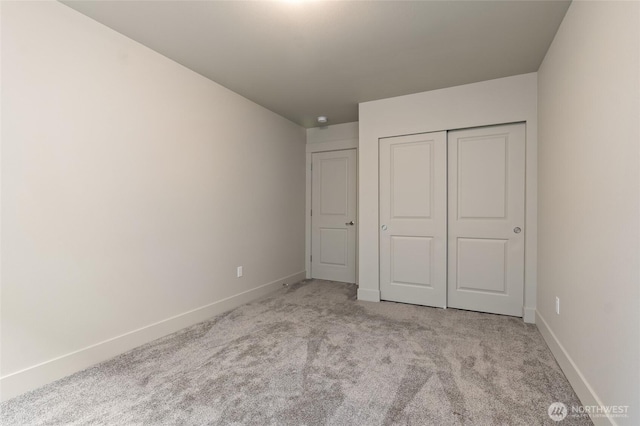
x: 557, y: 305
x: 239, y: 271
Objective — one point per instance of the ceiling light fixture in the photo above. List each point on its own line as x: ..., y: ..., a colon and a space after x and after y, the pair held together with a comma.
x: 322, y: 119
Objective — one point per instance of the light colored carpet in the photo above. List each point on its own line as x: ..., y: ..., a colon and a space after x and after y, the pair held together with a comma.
x: 313, y: 355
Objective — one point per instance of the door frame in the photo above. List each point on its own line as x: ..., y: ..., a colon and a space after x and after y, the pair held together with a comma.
x: 331, y: 145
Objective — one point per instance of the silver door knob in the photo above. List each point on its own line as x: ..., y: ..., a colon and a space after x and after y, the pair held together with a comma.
x: 349, y: 223
x: 384, y: 227
x: 517, y: 230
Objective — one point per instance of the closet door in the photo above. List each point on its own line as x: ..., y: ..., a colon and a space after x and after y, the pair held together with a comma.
x: 413, y: 219
x: 486, y: 219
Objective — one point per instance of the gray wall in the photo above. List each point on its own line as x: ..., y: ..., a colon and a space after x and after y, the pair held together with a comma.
x: 588, y: 197
x: 131, y: 189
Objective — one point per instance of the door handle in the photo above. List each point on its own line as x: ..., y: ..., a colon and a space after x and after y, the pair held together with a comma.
x: 349, y: 223
x: 517, y: 230
x: 384, y: 227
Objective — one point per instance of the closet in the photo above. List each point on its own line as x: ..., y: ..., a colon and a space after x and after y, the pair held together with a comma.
x: 452, y: 211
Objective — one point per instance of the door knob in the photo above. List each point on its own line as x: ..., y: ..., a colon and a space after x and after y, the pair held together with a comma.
x: 384, y: 227
x: 517, y: 230
x: 349, y: 223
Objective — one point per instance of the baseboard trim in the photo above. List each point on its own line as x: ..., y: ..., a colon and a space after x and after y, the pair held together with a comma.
x: 368, y: 295
x: 577, y: 380
x: 529, y: 315
x: 41, y: 374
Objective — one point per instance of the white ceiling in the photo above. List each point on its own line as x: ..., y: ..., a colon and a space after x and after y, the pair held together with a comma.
x: 308, y: 58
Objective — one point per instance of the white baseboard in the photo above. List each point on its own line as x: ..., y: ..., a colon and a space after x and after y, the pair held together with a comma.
x: 577, y: 380
x: 38, y: 375
x: 368, y: 295
x: 529, y: 315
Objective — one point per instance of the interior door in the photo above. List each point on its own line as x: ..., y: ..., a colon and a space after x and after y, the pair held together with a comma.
x: 333, y: 215
x: 486, y: 219
x: 413, y: 219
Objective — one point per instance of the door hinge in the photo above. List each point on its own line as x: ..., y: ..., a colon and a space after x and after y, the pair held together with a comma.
x: 311, y: 214
x: 311, y: 258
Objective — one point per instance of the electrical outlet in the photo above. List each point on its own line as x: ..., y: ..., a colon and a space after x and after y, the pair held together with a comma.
x: 557, y: 305
x: 239, y: 271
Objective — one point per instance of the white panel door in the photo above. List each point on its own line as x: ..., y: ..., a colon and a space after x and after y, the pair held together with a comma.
x: 413, y: 219
x: 486, y: 219
x: 333, y: 215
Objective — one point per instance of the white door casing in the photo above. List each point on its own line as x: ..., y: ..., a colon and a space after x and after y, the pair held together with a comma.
x: 486, y: 219
x: 333, y: 215
x: 413, y: 219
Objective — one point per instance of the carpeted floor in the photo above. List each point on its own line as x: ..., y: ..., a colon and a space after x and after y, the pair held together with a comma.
x: 313, y: 355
